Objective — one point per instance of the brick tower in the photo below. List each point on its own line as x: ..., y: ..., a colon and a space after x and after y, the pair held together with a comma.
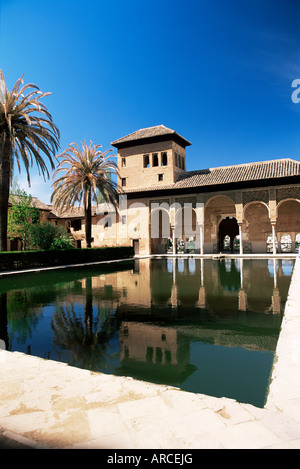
x: 149, y: 157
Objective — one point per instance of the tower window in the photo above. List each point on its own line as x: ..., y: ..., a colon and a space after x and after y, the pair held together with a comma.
x: 164, y: 159
x: 160, y: 177
x: 123, y: 162
x: 155, y: 159
x: 146, y: 161
x: 124, y: 182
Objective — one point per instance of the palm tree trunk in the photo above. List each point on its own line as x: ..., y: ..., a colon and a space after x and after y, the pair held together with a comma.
x: 5, y: 169
x: 88, y: 220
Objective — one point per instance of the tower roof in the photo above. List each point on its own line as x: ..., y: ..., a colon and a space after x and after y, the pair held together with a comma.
x: 155, y: 133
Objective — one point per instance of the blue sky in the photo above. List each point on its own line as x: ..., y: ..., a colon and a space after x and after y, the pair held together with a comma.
x: 219, y: 72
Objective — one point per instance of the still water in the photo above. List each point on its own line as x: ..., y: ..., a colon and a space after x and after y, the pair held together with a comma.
x: 205, y: 326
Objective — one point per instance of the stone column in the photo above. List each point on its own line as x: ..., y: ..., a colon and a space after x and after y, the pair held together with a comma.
x: 200, y: 223
x: 239, y: 215
x: 273, y: 224
x: 173, y: 239
x: 241, y: 238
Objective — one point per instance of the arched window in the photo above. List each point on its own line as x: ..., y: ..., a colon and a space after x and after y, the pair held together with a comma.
x: 169, y: 245
x: 297, y: 243
x: 146, y: 161
x: 286, y: 243
x: 236, y: 243
x: 270, y: 243
x: 226, y: 243
x: 180, y: 245
x: 154, y: 159
x: 164, y: 159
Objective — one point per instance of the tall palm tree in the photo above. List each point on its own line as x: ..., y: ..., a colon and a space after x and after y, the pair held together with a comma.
x: 26, y: 130
x: 87, y: 172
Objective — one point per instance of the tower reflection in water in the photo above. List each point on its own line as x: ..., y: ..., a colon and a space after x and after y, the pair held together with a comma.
x: 203, y: 325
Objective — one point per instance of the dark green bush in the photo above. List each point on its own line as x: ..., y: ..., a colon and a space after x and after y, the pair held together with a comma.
x: 18, y: 260
x: 46, y: 235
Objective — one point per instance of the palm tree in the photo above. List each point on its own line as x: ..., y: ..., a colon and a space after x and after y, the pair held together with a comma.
x: 87, y: 173
x: 26, y: 129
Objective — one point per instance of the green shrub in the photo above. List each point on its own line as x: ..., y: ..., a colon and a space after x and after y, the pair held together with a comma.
x: 46, y: 235
x: 18, y: 260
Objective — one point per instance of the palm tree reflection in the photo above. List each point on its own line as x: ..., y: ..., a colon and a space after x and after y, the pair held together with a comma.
x: 84, y: 332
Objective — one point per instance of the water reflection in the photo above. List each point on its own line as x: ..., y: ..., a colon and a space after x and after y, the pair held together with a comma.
x: 174, y: 321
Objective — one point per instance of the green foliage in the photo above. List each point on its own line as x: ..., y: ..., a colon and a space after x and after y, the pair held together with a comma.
x: 21, y: 216
x: 27, y: 135
x: 86, y: 176
x: 46, y: 235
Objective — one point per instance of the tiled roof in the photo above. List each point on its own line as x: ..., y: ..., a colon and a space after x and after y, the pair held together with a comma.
x: 36, y: 202
x: 74, y: 212
x: 149, y: 132
x: 78, y: 212
x: 263, y: 170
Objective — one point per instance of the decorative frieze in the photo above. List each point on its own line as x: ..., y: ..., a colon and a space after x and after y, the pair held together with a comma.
x: 259, y: 195
x: 186, y: 200
x: 157, y: 202
x: 291, y: 192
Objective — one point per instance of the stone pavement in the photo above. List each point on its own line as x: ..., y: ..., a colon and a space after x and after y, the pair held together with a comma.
x: 46, y: 404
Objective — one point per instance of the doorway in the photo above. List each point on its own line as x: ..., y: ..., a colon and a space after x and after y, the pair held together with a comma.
x: 228, y: 231
x: 136, y: 246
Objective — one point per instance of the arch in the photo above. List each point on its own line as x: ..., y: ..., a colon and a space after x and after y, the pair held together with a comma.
x: 186, y: 233
x: 215, y: 209
x: 284, y: 201
x: 288, y: 216
x: 286, y: 244
x: 297, y: 242
x: 269, y: 242
x: 212, y: 199
x: 288, y: 223
x: 246, y: 206
x: 228, y: 231
x: 256, y: 226
x: 160, y: 231
x: 160, y: 222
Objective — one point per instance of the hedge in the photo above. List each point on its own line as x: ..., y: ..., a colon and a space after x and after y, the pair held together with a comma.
x: 18, y: 260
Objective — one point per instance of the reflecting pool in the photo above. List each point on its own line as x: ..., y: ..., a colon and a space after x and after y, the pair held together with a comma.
x: 205, y: 326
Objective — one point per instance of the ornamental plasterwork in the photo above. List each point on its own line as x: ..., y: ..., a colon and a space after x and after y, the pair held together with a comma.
x: 256, y: 196
x: 157, y: 202
x: 186, y: 200
x: 287, y: 193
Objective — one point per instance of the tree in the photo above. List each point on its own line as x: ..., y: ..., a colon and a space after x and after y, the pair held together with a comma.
x: 21, y: 216
x: 26, y: 130
x: 87, y: 173
x: 46, y: 235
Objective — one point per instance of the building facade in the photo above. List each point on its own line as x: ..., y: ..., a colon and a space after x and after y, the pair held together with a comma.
x: 246, y: 208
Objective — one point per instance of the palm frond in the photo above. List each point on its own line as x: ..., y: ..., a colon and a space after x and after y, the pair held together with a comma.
x: 29, y: 126
x: 85, y: 170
